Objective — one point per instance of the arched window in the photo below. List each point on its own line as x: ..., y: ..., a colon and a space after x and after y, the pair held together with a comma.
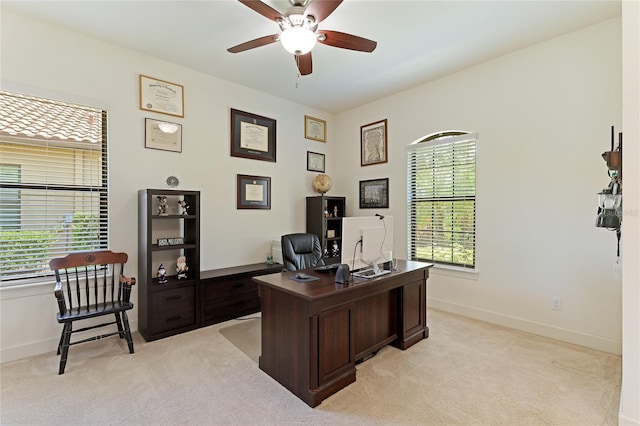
x: 441, y: 194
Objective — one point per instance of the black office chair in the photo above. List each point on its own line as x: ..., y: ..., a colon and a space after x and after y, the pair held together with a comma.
x: 301, y: 251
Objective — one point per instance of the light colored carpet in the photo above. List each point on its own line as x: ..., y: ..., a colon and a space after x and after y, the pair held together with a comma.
x: 466, y: 373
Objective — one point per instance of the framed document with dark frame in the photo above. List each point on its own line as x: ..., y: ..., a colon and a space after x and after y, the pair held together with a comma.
x: 162, y: 135
x: 161, y: 96
x: 315, y: 129
x: 253, y: 136
x: 315, y: 162
x: 374, y: 194
x: 373, y: 143
x: 254, y: 192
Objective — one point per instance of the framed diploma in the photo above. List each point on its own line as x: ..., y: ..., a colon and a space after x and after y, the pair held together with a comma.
x: 162, y: 135
x: 315, y: 162
x: 373, y: 143
x: 161, y: 96
x: 253, y: 136
x: 254, y: 192
x: 315, y: 129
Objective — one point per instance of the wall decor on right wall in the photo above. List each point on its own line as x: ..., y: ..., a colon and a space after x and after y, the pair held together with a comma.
x: 373, y: 143
x: 374, y: 194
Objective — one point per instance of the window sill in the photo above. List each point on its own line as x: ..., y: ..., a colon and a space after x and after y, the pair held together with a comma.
x: 455, y: 271
x: 34, y: 288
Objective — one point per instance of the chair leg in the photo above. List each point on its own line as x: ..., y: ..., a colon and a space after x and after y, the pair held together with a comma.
x: 66, y: 334
x: 64, y: 328
x: 119, y: 323
x: 127, y: 330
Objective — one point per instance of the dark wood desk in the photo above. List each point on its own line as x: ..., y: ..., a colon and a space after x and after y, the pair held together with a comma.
x: 313, y: 333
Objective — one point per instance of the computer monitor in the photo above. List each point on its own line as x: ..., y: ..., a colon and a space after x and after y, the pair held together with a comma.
x: 366, y: 240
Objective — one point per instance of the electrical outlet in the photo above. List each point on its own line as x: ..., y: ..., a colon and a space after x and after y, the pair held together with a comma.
x: 556, y: 304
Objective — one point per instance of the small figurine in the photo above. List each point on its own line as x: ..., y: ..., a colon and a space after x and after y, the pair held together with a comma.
x: 182, y: 268
x: 162, y: 205
x: 183, y: 207
x: 162, y: 274
x: 326, y: 213
x: 335, y: 211
x: 335, y: 250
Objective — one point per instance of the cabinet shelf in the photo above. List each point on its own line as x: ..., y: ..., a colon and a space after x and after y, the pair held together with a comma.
x: 155, y: 247
x: 318, y: 223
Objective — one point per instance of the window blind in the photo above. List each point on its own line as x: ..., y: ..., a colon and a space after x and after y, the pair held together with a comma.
x: 53, y: 183
x: 441, y: 193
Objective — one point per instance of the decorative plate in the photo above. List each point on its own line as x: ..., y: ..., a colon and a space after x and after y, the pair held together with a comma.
x: 173, y: 182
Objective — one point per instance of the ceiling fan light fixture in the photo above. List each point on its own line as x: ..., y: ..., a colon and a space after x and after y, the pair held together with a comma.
x: 298, y: 40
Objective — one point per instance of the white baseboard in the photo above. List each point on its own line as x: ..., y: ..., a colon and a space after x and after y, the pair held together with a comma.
x: 570, y: 336
x: 39, y: 347
x: 626, y: 421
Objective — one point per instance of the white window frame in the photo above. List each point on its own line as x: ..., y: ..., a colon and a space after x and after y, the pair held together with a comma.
x: 92, y: 231
x: 430, y: 143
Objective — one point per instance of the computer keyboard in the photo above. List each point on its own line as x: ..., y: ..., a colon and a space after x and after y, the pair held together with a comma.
x: 370, y: 273
x: 327, y: 268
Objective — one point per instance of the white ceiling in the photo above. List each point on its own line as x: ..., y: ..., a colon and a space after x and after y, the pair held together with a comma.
x: 418, y: 41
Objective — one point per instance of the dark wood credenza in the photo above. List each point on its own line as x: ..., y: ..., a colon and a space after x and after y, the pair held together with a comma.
x: 314, y: 333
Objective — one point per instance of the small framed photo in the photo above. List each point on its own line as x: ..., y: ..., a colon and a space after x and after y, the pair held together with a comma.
x: 315, y: 129
x: 161, y: 96
x: 373, y: 143
x: 162, y: 135
x: 374, y: 194
x: 254, y: 192
x: 253, y: 136
x: 331, y: 233
x: 315, y: 162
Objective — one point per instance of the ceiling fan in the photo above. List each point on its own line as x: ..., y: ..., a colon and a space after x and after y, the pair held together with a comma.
x: 299, y: 30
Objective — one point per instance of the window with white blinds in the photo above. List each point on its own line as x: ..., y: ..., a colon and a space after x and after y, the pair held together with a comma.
x: 53, y: 183
x: 441, y: 191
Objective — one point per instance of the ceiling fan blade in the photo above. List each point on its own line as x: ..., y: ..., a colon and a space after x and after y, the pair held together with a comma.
x: 305, y: 64
x: 320, y: 9
x: 347, y: 41
x: 263, y: 9
x: 262, y: 41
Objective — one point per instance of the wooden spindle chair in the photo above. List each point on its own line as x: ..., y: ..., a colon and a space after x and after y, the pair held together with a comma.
x: 89, y: 285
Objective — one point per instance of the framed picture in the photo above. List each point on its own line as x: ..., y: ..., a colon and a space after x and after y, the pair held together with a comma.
x: 254, y: 192
x: 161, y: 96
x: 315, y: 129
x: 162, y: 135
x: 253, y: 136
x: 373, y: 143
x: 374, y: 194
x: 315, y: 162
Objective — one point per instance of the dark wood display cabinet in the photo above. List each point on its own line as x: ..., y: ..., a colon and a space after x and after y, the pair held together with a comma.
x: 324, y: 218
x: 164, y: 234
x: 203, y: 297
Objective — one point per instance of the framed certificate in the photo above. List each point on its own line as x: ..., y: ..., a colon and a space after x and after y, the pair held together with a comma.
x: 315, y: 162
x: 162, y: 135
x: 253, y: 136
x: 315, y: 129
x: 161, y: 96
x: 254, y: 192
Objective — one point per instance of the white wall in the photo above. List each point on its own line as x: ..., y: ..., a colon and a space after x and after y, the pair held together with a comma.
x: 630, y: 393
x: 543, y: 117
x: 81, y: 69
